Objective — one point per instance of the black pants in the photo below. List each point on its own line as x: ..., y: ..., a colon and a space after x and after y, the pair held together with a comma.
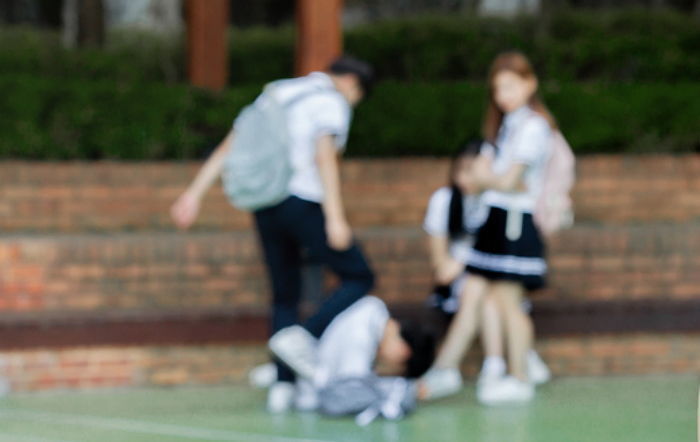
x: 291, y: 233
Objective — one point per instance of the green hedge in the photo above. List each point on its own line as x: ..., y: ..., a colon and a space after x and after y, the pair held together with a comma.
x: 432, y: 119
x: 621, y: 81
x: 76, y: 119
x: 80, y: 119
x: 623, y: 45
x: 130, y: 57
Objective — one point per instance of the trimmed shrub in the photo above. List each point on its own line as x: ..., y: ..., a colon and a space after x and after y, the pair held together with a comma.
x: 622, y: 45
x: 76, y: 119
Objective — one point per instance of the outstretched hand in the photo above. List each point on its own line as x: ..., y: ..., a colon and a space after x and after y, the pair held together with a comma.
x: 185, y: 210
x: 339, y: 234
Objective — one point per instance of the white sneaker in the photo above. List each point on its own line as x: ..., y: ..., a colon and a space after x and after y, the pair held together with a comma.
x: 493, y: 369
x: 441, y: 382
x: 296, y: 347
x: 537, y: 370
x: 280, y: 397
x: 506, y: 390
x: 306, y: 398
x: 263, y: 376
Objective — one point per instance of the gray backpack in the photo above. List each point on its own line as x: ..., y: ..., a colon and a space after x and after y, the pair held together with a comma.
x: 368, y: 398
x: 257, y: 169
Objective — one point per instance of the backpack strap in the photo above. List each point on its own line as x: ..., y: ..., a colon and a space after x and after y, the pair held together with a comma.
x: 301, y: 96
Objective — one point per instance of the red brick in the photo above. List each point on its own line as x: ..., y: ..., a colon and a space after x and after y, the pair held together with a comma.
x: 105, y: 196
x: 142, y: 366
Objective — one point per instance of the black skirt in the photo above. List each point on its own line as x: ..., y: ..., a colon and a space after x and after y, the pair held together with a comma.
x: 517, y: 256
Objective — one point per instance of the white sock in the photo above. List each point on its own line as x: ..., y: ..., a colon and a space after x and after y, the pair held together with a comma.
x: 494, y: 366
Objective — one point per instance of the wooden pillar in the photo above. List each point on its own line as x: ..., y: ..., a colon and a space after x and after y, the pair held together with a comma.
x: 319, y: 34
x: 91, y: 23
x: 207, y: 43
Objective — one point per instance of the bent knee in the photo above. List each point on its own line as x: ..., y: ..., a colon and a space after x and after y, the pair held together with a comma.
x: 368, y: 280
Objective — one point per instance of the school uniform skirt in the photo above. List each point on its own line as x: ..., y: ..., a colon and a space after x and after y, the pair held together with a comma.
x: 509, y: 250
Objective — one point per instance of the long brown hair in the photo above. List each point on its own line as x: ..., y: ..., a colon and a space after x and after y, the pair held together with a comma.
x: 517, y: 63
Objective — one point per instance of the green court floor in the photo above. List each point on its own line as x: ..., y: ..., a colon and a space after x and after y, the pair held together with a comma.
x: 659, y: 409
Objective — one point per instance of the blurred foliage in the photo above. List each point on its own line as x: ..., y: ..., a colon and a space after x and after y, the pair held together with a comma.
x: 603, y: 46
x: 624, y: 81
x: 622, y: 45
x: 44, y: 118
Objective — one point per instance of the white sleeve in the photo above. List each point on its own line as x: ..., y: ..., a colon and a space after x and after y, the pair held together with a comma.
x: 331, y: 116
x: 488, y: 150
x: 532, y: 143
x: 349, y: 345
x: 436, y: 221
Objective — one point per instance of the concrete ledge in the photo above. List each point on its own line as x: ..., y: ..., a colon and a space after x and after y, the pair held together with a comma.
x: 192, y: 327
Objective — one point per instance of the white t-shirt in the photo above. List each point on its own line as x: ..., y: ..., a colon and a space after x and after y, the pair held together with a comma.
x: 524, y: 138
x: 437, y: 220
x: 348, y: 347
x: 326, y: 112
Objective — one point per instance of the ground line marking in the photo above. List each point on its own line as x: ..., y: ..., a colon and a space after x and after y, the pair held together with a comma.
x: 137, y: 426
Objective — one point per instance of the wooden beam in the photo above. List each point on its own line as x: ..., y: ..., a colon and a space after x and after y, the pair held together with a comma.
x: 319, y: 34
x: 576, y: 318
x: 133, y: 329
x: 221, y: 326
x: 207, y: 43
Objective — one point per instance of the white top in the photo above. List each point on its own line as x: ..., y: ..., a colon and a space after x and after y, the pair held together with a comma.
x: 324, y: 113
x: 437, y: 220
x: 349, y: 345
x: 524, y: 138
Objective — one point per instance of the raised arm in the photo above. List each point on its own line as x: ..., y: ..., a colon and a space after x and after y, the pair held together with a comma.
x: 186, y: 208
x: 328, y: 161
x: 529, y: 146
x: 509, y: 181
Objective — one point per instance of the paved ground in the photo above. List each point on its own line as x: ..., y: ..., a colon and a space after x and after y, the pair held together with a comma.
x: 634, y: 409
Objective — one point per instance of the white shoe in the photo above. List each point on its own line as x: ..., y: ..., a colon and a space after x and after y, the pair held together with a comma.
x: 505, y: 391
x: 306, y: 398
x: 263, y: 376
x: 280, y: 397
x: 296, y: 347
x: 487, y: 378
x: 441, y: 382
x: 537, y: 370
x: 493, y: 369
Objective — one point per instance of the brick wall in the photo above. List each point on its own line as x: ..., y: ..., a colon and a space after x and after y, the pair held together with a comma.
x: 79, y: 197
x: 110, y: 367
x: 97, y: 238
x: 151, y: 271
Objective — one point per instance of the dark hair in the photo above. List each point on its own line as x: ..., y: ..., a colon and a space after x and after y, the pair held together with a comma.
x: 347, y: 64
x: 456, y: 212
x: 422, y: 344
